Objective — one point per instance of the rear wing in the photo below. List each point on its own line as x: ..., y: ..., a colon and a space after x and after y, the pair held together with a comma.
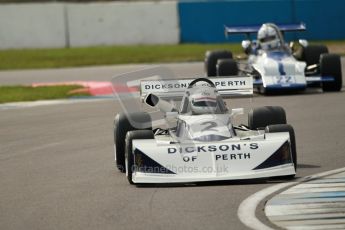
x: 174, y: 89
x: 255, y: 28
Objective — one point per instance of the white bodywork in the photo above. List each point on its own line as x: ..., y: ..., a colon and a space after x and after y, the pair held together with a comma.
x: 279, y: 69
x: 231, y: 159
x: 205, y: 126
x: 207, y: 147
x: 226, y: 86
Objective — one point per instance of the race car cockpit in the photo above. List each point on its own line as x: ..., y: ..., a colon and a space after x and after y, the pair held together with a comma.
x: 202, y: 97
x: 270, y: 39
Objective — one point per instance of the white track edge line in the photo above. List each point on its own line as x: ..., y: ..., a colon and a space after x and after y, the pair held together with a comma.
x: 31, y: 104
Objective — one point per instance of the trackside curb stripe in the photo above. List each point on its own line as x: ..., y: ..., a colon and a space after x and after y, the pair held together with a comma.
x: 246, y: 210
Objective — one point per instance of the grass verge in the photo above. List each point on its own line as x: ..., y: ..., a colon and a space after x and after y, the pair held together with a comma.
x: 28, y: 93
x: 111, y: 55
x: 107, y: 55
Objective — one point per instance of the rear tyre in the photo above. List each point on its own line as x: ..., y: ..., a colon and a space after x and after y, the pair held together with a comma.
x: 129, y: 156
x: 124, y: 124
x: 259, y: 118
x: 311, y: 54
x: 286, y: 128
x: 211, y: 58
x: 330, y: 65
x: 227, y: 67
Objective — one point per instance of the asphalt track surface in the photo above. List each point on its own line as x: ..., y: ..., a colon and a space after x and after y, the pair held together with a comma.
x: 57, y: 164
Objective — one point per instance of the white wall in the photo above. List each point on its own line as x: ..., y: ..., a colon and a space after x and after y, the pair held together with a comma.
x: 31, y: 25
x: 109, y: 23
x: 123, y: 23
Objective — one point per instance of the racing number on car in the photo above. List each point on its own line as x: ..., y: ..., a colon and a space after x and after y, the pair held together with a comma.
x: 209, y: 126
x: 284, y: 79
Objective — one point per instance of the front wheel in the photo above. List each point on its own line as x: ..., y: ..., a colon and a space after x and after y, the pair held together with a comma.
x: 330, y: 66
x: 290, y: 130
x: 129, y: 155
x: 122, y: 124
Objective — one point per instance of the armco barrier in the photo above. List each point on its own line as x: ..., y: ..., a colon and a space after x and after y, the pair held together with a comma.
x: 203, y: 21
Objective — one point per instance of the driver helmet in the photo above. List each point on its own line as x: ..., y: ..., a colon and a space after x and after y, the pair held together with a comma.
x: 203, y: 100
x: 268, y: 37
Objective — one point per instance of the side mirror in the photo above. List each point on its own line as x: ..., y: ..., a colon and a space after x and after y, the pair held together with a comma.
x: 246, y: 45
x: 152, y: 100
x: 156, y: 102
x: 304, y: 43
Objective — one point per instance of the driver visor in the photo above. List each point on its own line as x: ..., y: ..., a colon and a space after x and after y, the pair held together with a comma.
x: 205, y: 102
x: 268, y: 39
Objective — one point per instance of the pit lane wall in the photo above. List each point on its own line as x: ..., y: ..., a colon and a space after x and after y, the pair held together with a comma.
x: 203, y: 21
x: 41, y: 25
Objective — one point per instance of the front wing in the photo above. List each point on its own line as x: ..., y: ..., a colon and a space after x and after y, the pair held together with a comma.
x: 278, y: 73
x: 291, y: 82
x: 282, y: 82
x: 226, y: 160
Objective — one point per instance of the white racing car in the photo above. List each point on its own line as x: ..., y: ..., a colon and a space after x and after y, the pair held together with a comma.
x: 274, y: 65
x: 203, y: 143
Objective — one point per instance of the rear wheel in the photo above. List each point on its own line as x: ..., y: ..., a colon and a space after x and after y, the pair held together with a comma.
x: 330, y: 65
x: 311, y: 54
x: 259, y: 118
x: 129, y: 155
x: 122, y: 125
x: 286, y: 128
x: 211, y: 58
x: 227, y: 67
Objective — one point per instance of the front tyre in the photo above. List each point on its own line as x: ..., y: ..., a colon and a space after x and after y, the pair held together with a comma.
x: 129, y: 155
x: 330, y: 65
x: 290, y: 130
x: 124, y: 124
